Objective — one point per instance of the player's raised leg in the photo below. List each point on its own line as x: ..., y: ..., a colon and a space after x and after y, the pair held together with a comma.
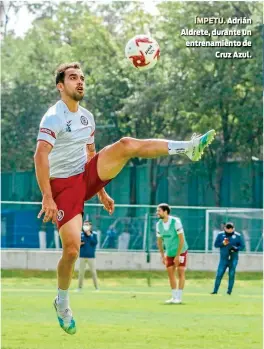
x: 70, y: 234
x: 114, y: 157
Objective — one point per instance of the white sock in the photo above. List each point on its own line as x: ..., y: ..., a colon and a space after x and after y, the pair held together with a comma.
x: 176, y: 147
x: 174, y: 293
x: 179, y: 294
x: 63, y: 299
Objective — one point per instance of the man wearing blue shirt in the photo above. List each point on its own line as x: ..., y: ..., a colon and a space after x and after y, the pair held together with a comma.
x: 230, y: 243
x: 87, y: 253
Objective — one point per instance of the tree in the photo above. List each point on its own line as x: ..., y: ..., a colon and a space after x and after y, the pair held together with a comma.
x: 187, y: 91
x: 221, y: 94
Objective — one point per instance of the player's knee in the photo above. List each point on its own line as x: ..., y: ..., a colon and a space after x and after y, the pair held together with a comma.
x: 71, y: 253
x: 231, y: 272
x: 129, y: 146
x: 220, y: 270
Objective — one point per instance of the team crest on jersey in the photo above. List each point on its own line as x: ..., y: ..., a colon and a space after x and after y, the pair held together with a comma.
x: 68, y: 126
x: 60, y: 215
x: 84, y: 120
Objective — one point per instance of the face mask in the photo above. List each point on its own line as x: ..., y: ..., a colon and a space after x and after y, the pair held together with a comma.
x: 86, y: 228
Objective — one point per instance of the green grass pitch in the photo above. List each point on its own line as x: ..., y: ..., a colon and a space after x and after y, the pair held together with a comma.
x: 128, y: 314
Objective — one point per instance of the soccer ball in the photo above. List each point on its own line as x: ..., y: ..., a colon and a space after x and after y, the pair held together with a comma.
x: 142, y: 51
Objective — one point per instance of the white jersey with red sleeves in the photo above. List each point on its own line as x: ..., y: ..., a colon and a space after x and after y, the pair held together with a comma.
x: 68, y: 133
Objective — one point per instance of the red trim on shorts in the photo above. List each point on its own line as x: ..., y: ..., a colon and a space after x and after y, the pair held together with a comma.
x: 42, y: 140
x: 92, y: 133
x: 48, y: 131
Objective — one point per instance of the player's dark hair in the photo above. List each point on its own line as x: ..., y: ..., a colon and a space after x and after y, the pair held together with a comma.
x: 60, y: 71
x: 165, y: 207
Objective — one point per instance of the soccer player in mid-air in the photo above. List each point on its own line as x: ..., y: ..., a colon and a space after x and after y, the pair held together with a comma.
x: 69, y: 171
x: 169, y: 232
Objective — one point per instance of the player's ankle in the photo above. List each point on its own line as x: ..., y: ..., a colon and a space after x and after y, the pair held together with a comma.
x: 63, y: 298
x: 179, y: 294
x: 176, y: 147
x: 174, y: 293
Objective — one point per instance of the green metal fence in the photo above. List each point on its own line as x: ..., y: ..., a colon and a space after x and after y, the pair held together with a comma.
x: 131, y: 227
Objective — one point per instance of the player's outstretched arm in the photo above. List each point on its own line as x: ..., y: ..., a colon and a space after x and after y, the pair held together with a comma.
x: 42, y: 173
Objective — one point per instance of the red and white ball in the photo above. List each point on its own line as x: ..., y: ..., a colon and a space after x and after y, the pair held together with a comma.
x: 142, y: 51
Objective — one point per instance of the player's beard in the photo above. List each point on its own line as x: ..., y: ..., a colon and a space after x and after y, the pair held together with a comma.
x: 77, y: 96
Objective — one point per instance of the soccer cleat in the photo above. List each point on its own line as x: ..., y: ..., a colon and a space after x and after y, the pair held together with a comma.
x: 213, y: 292
x: 173, y: 301
x: 176, y: 301
x: 65, y: 319
x: 198, y: 144
x: 169, y: 301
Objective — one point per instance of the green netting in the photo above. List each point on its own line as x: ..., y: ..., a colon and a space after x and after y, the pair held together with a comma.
x: 126, y: 229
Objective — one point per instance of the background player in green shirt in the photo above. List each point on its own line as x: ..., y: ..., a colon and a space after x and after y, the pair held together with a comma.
x: 170, y: 234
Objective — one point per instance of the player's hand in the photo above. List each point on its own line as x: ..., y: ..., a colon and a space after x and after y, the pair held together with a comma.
x: 49, y: 208
x: 109, y: 204
x: 163, y: 259
x: 226, y: 241
x: 176, y: 261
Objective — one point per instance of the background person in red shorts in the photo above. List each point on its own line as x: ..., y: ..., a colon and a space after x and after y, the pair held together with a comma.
x: 69, y: 171
x: 169, y: 231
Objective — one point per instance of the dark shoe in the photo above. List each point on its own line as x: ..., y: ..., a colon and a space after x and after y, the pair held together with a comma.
x: 228, y: 293
x: 213, y: 292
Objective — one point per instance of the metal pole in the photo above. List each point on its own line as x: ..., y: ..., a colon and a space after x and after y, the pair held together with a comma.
x: 206, y: 231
